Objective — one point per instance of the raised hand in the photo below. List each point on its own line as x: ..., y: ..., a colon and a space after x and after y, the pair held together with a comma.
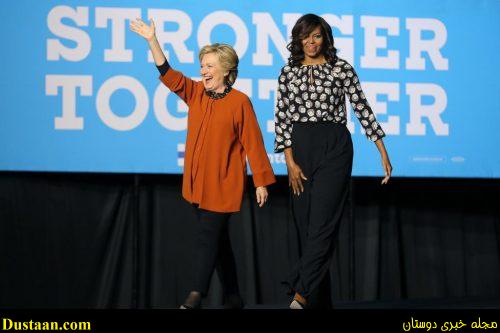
x: 147, y: 31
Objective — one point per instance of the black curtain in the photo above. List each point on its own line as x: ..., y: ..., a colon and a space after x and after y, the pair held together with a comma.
x: 76, y: 240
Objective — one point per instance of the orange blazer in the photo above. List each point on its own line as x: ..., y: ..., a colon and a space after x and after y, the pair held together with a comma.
x: 221, y: 134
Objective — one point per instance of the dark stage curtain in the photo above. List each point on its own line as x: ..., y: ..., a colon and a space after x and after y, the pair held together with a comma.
x: 72, y: 240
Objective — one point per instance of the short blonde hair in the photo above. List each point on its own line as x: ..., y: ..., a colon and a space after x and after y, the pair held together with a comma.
x: 227, y: 57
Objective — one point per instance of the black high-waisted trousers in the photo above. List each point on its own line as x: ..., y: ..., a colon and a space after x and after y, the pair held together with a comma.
x: 324, y: 152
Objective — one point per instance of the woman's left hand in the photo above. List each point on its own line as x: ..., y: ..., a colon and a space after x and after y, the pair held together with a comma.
x: 386, y: 165
x: 261, y: 194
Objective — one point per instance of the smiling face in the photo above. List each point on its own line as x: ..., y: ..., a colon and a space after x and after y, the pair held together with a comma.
x: 212, y: 73
x: 312, y: 44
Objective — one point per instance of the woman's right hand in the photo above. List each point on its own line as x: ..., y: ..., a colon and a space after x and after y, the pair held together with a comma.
x: 295, y: 177
x: 142, y: 29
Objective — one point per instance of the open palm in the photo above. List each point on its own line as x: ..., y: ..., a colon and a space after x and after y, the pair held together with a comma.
x: 141, y: 28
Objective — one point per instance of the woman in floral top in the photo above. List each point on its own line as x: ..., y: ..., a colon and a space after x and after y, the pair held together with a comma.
x: 310, y: 128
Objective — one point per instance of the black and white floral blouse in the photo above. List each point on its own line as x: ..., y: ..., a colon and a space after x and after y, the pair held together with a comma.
x: 315, y: 93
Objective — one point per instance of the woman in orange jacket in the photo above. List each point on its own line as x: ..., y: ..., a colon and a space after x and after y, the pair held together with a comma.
x: 222, y: 132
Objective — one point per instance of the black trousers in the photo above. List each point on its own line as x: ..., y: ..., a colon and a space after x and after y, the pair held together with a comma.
x: 324, y: 152
x: 213, y: 251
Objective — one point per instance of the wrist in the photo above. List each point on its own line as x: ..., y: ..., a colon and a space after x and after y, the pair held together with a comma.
x: 289, y: 160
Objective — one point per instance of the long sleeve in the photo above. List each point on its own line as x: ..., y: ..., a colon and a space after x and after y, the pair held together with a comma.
x: 181, y: 85
x: 163, y: 68
x: 359, y: 103
x: 282, y: 123
x: 251, y: 139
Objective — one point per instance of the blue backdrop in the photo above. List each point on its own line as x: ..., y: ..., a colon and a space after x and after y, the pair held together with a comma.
x: 80, y: 93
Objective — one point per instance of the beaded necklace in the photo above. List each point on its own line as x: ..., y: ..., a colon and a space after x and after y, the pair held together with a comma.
x: 215, y: 95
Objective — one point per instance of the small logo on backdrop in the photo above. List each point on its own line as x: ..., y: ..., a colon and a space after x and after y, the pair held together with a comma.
x: 458, y: 159
x: 181, y: 148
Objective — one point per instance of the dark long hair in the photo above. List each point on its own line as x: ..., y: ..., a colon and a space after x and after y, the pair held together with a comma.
x: 304, y: 26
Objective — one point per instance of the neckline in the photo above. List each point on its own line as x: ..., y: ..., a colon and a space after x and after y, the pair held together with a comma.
x: 215, y: 95
x: 314, y: 65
